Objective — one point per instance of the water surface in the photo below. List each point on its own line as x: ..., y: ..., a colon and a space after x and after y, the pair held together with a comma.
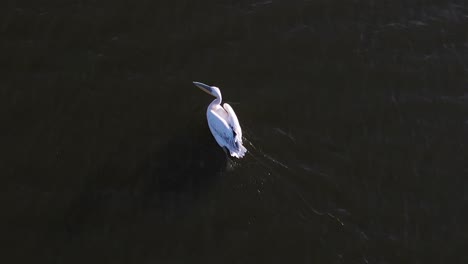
x: 354, y: 114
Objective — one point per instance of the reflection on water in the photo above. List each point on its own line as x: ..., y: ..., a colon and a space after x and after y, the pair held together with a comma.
x: 354, y: 116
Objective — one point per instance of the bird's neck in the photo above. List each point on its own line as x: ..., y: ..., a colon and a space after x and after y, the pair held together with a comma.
x: 216, y: 101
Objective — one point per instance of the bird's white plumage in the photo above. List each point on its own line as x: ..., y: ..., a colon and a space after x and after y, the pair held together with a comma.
x: 223, y: 123
x: 232, y: 119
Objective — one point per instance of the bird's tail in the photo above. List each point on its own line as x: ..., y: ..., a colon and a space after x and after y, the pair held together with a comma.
x: 240, y: 152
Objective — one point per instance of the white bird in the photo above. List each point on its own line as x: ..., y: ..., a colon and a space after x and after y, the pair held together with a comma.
x: 223, y: 123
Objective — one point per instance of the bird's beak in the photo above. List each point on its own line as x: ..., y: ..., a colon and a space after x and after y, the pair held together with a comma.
x: 204, y: 87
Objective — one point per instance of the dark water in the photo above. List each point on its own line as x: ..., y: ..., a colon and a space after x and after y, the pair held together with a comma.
x: 355, y: 115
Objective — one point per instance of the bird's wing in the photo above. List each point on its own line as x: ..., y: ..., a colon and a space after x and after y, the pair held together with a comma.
x: 232, y: 121
x: 220, y: 127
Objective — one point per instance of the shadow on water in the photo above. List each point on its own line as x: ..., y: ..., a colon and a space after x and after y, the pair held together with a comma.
x: 166, y: 185
x: 189, y: 166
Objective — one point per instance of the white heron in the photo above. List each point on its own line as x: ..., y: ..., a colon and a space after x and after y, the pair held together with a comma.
x: 223, y: 123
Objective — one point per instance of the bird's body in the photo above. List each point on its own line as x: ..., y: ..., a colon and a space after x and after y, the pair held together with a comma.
x: 223, y: 123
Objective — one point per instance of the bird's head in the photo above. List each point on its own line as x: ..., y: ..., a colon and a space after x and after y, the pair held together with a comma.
x: 213, y: 90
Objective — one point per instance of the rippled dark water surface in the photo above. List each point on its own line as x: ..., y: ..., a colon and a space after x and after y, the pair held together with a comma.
x: 355, y: 115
